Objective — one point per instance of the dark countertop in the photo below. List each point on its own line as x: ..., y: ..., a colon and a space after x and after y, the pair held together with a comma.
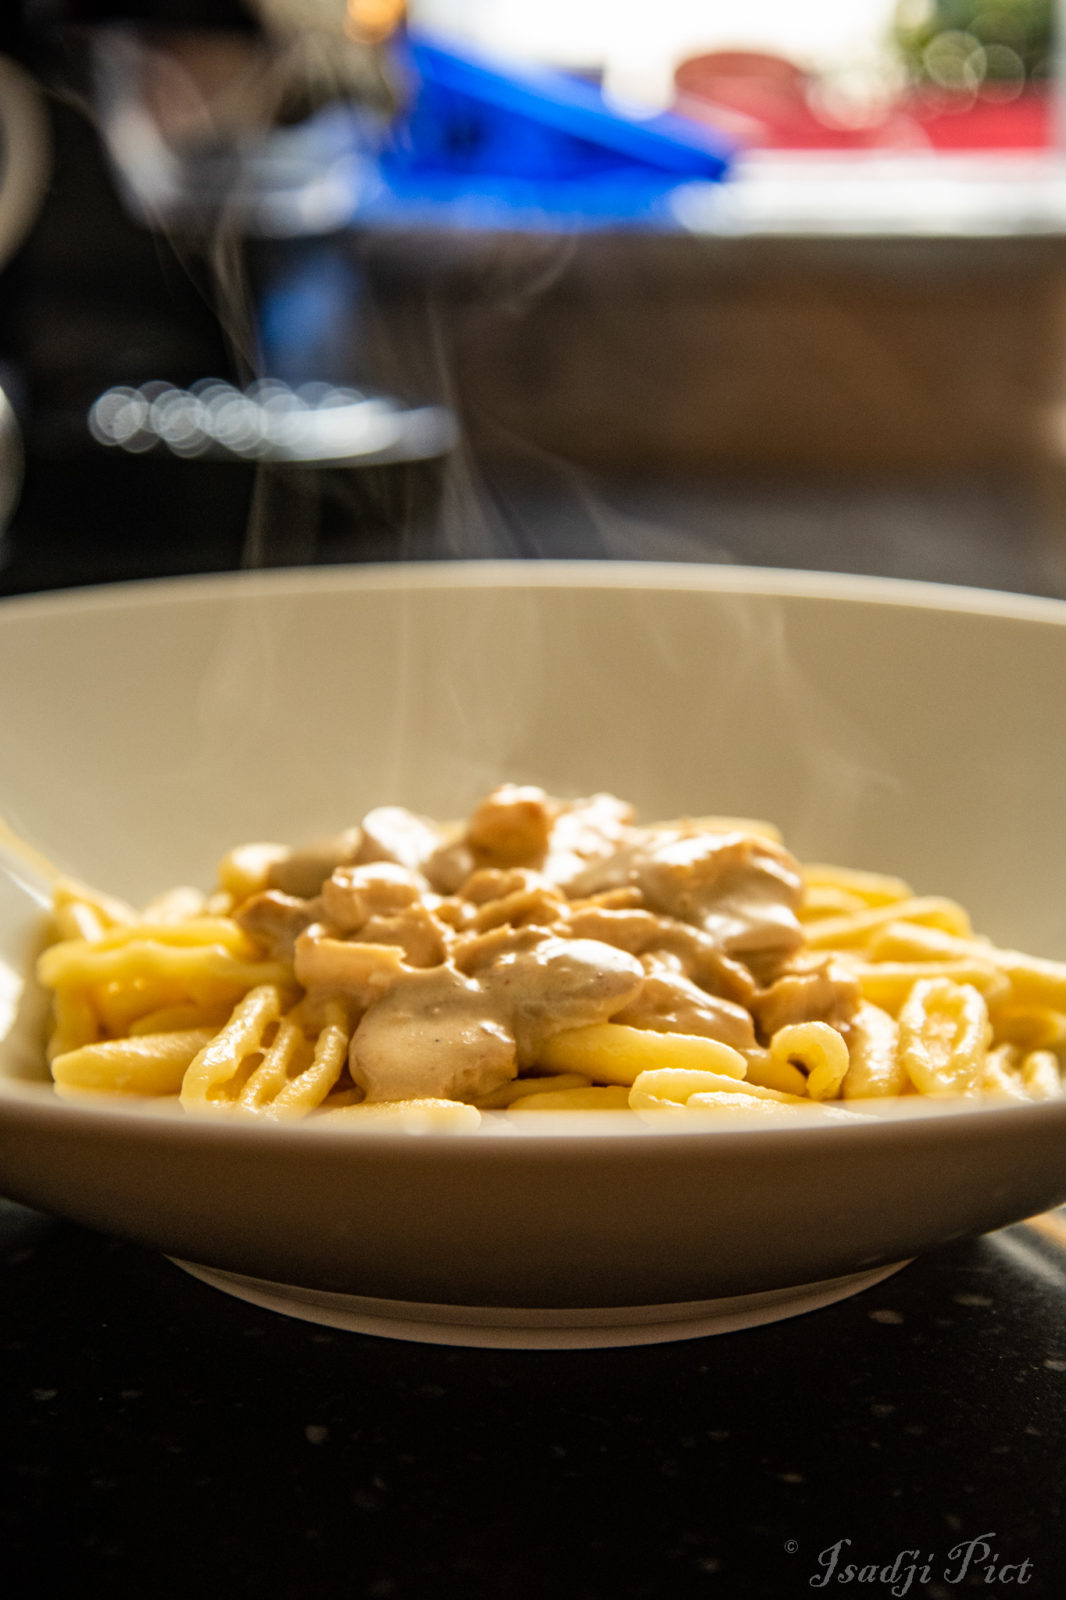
x: 163, y: 1439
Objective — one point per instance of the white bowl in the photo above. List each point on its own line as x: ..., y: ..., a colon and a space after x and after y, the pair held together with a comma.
x: 909, y: 728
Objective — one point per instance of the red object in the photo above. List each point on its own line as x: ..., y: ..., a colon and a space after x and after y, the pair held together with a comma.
x: 1022, y: 124
x: 765, y: 101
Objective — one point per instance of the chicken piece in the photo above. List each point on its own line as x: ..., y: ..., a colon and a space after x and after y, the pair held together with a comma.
x: 522, y: 826
x: 437, y: 1034
x: 669, y: 1003
x: 585, y: 834
x: 494, y: 883
x: 392, y: 833
x: 629, y: 899
x: 465, y: 951
x: 823, y: 991
x: 352, y: 895
x: 362, y: 971
x: 628, y: 929
x: 697, y: 956
x: 741, y: 889
x: 511, y: 827
x: 674, y: 944
x: 301, y: 873
x: 452, y: 912
x: 415, y: 930
x: 276, y: 920
x: 540, y: 906
x: 473, y: 952
x: 449, y: 866
x: 560, y: 983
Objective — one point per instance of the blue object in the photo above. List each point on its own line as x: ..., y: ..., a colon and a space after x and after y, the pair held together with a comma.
x: 483, y: 144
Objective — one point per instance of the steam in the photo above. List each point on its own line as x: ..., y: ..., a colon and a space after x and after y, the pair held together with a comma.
x: 542, y: 507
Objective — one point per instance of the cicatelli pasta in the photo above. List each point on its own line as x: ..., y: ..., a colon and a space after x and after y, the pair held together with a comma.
x: 542, y: 956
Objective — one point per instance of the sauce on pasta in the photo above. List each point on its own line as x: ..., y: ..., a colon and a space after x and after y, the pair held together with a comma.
x: 545, y: 955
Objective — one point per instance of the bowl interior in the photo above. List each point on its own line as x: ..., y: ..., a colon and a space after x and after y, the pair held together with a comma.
x: 148, y: 728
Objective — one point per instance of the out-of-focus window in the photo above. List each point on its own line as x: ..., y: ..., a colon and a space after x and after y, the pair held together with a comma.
x: 889, y: 75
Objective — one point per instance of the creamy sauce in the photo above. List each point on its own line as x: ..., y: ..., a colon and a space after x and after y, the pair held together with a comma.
x: 460, y: 949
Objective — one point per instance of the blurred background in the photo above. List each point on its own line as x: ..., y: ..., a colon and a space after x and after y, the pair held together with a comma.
x: 288, y: 281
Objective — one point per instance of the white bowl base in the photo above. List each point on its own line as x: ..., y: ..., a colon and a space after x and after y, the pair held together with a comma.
x: 529, y: 1328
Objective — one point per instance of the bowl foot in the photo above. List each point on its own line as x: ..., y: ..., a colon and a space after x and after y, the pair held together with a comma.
x: 530, y: 1328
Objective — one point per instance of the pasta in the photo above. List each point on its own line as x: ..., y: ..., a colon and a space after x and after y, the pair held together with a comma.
x: 542, y: 956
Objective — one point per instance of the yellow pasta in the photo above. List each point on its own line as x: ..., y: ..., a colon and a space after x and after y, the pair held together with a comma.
x: 817, y: 1048
x: 284, y: 1059
x: 1033, y: 981
x: 775, y: 1072
x: 1020, y: 1075
x: 120, y: 1003
x: 873, y: 888
x: 75, y: 1022
x: 677, y: 1086
x: 223, y: 1066
x: 744, y: 1105
x: 199, y: 970
x: 545, y: 956
x: 888, y: 983
x: 1042, y: 1076
x: 845, y: 932
x: 944, y: 1034
x: 172, y: 1019
x: 1002, y: 1073
x: 80, y: 913
x: 175, y: 908
x: 306, y: 1090
x: 823, y: 900
x: 245, y: 870
x: 1036, y: 1027
x: 199, y: 931
x: 517, y: 1089
x: 607, y: 1097
x: 874, y: 1066
x: 416, y: 1115
x: 151, y: 1064
x: 610, y: 1053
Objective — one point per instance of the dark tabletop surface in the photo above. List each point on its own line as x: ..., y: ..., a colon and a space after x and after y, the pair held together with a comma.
x: 165, y: 1439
